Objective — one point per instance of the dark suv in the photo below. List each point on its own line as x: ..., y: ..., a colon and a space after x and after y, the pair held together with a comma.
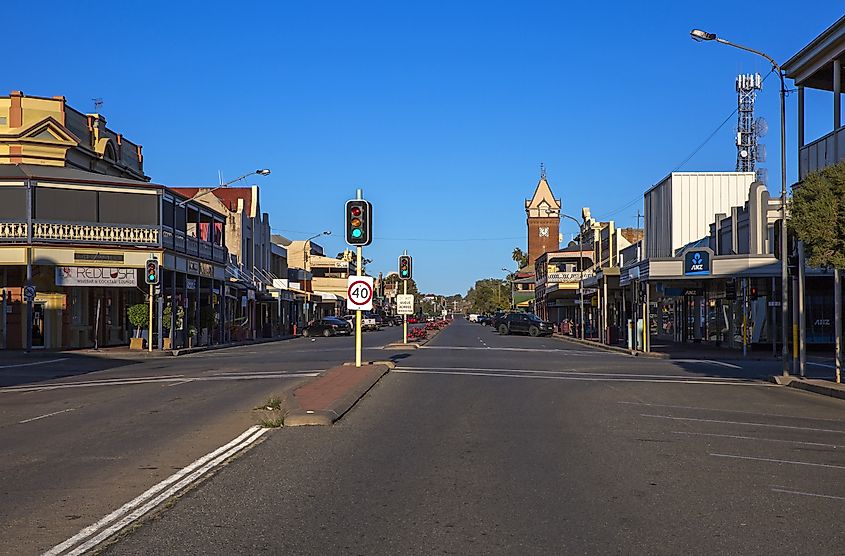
x: 498, y: 318
x: 525, y: 323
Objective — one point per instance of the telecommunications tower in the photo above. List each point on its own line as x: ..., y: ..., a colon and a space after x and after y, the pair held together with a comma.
x: 748, y: 130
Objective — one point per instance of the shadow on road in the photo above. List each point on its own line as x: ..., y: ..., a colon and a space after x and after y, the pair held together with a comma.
x: 17, y: 368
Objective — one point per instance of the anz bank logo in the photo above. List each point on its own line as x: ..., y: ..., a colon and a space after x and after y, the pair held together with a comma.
x: 697, y: 263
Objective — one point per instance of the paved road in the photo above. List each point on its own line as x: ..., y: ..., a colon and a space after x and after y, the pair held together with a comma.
x: 482, y: 444
x: 83, y: 434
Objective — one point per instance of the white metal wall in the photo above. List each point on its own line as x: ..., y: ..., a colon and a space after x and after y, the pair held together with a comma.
x: 681, y: 208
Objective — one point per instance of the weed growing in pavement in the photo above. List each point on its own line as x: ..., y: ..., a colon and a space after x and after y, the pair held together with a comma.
x: 273, y: 403
x: 272, y: 422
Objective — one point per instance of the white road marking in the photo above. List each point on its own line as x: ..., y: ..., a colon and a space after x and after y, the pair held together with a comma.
x: 509, y: 374
x: 739, y: 437
x: 770, y: 460
x: 45, y: 416
x: 776, y: 489
x: 695, y: 408
x: 154, y: 380
x: 790, y: 427
x: 574, y: 372
x: 540, y: 350
x: 705, y: 361
x: 825, y: 365
x: 91, y: 536
x: 33, y: 364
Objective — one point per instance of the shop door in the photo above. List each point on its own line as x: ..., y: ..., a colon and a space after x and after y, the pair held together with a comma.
x: 39, y: 324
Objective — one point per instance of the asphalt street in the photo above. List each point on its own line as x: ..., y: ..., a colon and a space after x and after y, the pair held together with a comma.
x: 83, y: 433
x: 483, y: 444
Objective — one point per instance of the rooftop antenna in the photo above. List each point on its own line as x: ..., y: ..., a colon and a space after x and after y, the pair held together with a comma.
x: 542, y: 171
x: 98, y: 103
x: 747, y: 130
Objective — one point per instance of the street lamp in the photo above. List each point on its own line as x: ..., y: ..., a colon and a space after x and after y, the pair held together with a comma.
x: 510, y: 277
x: 699, y: 35
x: 307, y: 246
x: 580, y: 267
x: 261, y: 172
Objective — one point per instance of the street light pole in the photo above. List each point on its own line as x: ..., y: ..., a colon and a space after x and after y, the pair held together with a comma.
x: 580, y: 268
x: 261, y: 172
x: 699, y: 35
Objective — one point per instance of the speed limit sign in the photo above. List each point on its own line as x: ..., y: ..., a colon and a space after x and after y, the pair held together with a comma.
x: 359, y: 293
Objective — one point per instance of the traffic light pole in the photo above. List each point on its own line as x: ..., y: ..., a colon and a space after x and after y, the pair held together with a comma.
x: 150, y: 323
x: 405, y: 317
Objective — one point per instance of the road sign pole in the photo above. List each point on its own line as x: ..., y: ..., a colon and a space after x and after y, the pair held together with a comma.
x: 405, y: 317
x: 358, y: 313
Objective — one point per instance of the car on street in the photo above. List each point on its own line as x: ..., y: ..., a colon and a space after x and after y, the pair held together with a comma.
x: 498, y: 318
x: 484, y: 319
x: 526, y: 323
x: 328, y: 326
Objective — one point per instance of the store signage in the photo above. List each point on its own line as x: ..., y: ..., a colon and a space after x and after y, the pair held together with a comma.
x: 564, y: 277
x: 696, y: 263
x: 109, y: 257
x: 89, y: 276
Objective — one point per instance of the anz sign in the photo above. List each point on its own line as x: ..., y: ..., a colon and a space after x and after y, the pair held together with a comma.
x: 697, y: 263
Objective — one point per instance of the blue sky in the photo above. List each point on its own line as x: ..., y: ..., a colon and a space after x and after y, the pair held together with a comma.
x: 441, y: 111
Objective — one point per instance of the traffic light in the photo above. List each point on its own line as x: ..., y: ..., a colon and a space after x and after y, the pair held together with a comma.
x: 406, y: 270
x: 151, y: 274
x: 753, y: 292
x: 359, y: 223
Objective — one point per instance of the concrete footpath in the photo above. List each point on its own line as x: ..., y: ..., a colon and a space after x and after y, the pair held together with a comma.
x: 824, y: 387
x: 325, y: 399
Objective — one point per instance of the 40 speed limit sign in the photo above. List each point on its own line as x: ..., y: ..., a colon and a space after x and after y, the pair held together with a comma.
x: 359, y: 293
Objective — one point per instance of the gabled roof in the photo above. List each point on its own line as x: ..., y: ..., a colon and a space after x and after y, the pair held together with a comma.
x: 543, y: 197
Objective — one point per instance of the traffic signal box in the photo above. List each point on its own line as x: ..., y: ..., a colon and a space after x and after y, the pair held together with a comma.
x: 359, y: 223
x: 152, y: 270
x: 405, y: 267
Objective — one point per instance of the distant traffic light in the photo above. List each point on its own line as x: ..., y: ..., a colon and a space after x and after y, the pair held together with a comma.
x: 151, y: 274
x: 406, y: 270
x: 359, y: 224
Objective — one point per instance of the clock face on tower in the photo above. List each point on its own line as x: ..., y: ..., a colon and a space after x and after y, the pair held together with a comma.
x: 544, y: 231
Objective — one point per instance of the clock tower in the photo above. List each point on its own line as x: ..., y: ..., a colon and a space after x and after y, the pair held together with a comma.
x: 543, y: 219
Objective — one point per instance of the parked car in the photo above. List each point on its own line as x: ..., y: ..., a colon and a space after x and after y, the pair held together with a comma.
x: 329, y: 326
x: 498, y: 318
x: 484, y: 319
x: 412, y: 319
x: 526, y: 323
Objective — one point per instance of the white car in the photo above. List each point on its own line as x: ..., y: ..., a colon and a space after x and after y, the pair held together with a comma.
x: 473, y: 318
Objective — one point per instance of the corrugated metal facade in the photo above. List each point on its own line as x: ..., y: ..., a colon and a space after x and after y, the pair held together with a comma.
x: 681, y: 208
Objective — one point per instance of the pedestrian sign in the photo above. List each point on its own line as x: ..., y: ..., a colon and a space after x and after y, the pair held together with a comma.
x: 404, y: 304
x: 359, y: 293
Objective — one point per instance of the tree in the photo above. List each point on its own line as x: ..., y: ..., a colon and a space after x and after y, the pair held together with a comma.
x: 817, y: 218
x: 519, y: 257
x: 488, y: 295
x: 394, y: 278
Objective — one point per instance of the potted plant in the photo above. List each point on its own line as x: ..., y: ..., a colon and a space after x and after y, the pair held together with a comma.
x: 139, y: 318
x: 208, y: 320
x: 166, y: 315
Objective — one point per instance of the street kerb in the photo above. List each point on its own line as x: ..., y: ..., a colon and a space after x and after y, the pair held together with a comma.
x: 325, y: 399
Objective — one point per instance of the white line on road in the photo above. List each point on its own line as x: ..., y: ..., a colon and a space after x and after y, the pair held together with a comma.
x: 155, y: 495
x: 739, y: 437
x: 33, y: 364
x: 45, y: 416
x: 574, y: 372
x: 705, y: 361
x: 509, y: 374
x: 540, y: 350
x: 770, y: 460
x: 775, y: 489
x: 790, y: 427
x: 154, y: 380
x: 696, y: 408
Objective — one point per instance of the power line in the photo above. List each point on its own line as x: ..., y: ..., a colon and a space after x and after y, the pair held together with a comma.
x: 691, y: 155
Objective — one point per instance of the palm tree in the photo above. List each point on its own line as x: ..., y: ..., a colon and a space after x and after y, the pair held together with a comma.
x: 519, y: 257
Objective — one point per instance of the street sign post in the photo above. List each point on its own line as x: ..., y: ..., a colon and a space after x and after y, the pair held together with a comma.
x: 359, y: 293
x: 405, y: 304
x: 29, y: 293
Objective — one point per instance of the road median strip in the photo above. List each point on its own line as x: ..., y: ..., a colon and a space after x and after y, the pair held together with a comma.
x: 822, y: 387
x: 330, y: 395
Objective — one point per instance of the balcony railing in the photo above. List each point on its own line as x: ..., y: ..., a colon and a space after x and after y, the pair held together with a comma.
x: 75, y: 232
x: 13, y: 232
x: 821, y: 153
